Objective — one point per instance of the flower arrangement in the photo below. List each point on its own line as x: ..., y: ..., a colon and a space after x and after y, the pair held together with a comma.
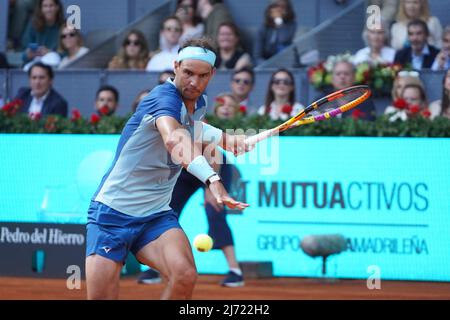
x: 402, y: 110
x: 379, y: 77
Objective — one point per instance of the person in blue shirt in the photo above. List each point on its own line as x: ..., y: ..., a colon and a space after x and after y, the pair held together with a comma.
x: 130, y: 210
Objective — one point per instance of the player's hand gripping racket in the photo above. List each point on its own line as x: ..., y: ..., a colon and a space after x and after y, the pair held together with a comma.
x: 322, y: 109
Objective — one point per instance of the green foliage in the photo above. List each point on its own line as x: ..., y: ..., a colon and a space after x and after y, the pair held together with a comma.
x: 381, y: 127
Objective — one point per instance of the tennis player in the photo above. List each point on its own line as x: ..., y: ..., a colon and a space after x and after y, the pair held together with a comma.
x: 130, y: 210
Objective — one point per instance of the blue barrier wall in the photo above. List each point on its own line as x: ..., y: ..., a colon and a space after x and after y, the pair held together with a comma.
x: 392, y: 207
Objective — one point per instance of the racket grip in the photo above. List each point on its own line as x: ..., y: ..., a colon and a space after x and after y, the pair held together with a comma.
x: 259, y: 137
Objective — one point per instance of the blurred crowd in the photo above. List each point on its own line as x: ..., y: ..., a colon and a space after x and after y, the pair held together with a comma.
x: 409, y: 36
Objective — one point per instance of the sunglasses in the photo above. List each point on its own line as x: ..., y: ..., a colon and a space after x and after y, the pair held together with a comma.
x: 286, y: 82
x: 68, y: 35
x: 134, y: 43
x: 244, y: 81
x: 172, y: 29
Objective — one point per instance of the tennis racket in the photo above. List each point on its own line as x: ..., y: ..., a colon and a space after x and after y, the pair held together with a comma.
x: 325, y: 108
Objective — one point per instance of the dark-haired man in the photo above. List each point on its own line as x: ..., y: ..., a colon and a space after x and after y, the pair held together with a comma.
x: 130, y: 210
x: 40, y: 98
x: 419, y: 55
x: 106, y: 100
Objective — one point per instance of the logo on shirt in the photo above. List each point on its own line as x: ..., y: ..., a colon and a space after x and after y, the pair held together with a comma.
x: 107, y: 249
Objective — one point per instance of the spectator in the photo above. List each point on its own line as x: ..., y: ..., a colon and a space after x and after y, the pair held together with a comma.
x: 227, y: 106
x: 343, y: 76
x: 442, y: 61
x: 70, y: 45
x: 401, y: 80
x: 3, y: 61
x: 410, y: 10
x: 106, y: 100
x: 420, y: 55
x: 377, y: 52
x: 162, y: 77
x: 242, y: 82
x: 133, y: 55
x: 213, y: 13
x: 141, y: 95
x: 18, y: 16
x: 192, y: 24
x: 42, y: 32
x: 442, y: 107
x: 280, y: 101
x: 277, y: 32
x: 230, y: 53
x: 171, y: 30
x: 41, y: 99
x: 413, y: 101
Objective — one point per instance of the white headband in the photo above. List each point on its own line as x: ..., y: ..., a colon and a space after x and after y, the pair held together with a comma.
x: 197, y: 53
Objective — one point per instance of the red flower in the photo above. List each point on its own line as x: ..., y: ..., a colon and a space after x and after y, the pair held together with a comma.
x: 104, y: 111
x: 287, y: 108
x: 35, y: 116
x: 426, y: 113
x: 414, y: 109
x: 220, y: 100
x: 366, y: 75
x: 50, y: 124
x: 400, y: 104
x: 75, y: 115
x: 243, y: 109
x: 95, y: 118
x: 357, y: 114
x: 11, y: 108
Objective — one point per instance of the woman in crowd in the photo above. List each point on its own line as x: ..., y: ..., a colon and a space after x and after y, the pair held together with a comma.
x: 442, y: 107
x: 404, y: 78
x: 413, y: 100
x: 278, y: 30
x: 70, y: 45
x: 192, y: 24
x: 377, y: 52
x: 133, y: 54
x: 42, y: 32
x: 410, y: 10
x: 280, y: 98
x: 230, y: 54
x: 227, y: 106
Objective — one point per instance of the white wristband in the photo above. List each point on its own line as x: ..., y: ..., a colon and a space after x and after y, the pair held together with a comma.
x: 200, y: 169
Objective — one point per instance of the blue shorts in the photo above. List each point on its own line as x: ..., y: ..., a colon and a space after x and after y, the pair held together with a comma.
x: 113, y: 234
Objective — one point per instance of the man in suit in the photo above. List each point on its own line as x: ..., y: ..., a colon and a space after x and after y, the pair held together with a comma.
x: 41, y: 98
x: 420, y: 55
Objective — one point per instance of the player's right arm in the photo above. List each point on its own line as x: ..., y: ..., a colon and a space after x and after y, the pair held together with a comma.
x: 185, y: 151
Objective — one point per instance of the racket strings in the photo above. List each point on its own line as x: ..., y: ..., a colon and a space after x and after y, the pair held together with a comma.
x: 339, y: 102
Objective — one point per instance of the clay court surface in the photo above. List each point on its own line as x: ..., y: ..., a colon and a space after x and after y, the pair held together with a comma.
x: 255, y: 289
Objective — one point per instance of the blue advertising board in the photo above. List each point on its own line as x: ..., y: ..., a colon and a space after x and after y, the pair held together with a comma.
x: 389, y: 197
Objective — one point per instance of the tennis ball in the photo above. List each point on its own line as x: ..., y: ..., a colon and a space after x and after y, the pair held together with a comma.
x: 203, y: 242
